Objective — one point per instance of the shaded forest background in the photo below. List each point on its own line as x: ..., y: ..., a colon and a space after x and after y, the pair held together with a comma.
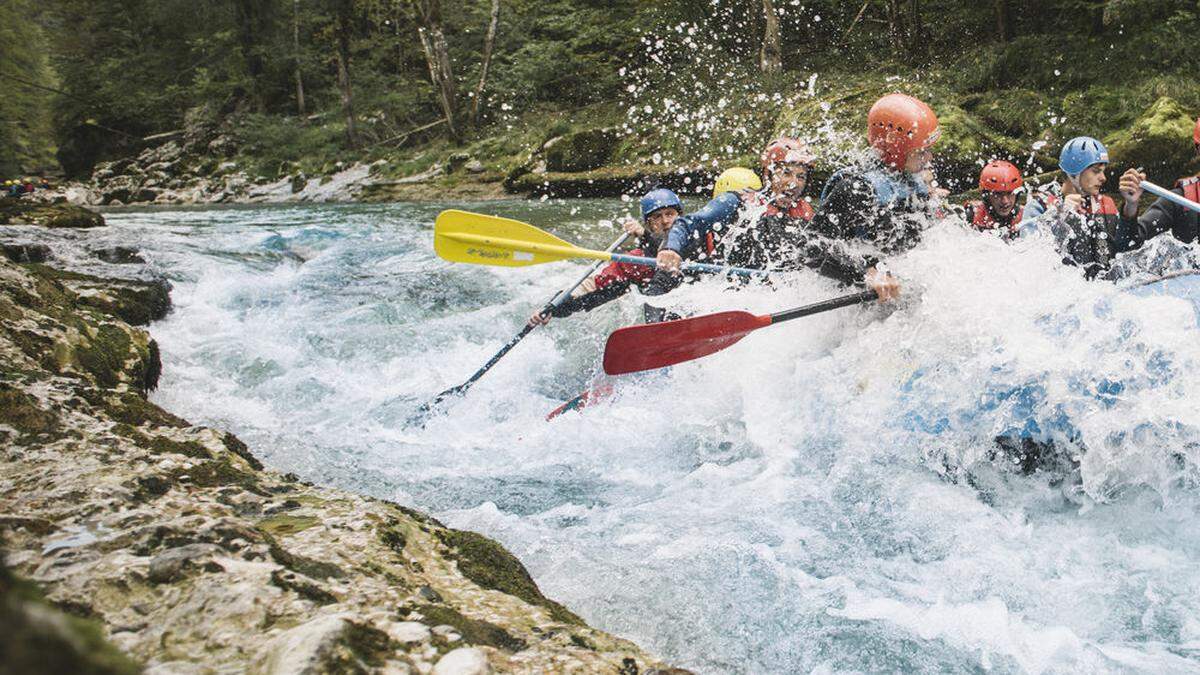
x: 306, y: 84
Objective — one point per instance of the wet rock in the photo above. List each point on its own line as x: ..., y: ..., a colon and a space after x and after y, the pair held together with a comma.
x: 457, y: 161
x: 463, y: 661
x: 117, y: 255
x: 26, y: 253
x: 174, y: 563
x: 409, y: 631
x: 27, y: 212
x: 475, y: 166
x: 329, y: 644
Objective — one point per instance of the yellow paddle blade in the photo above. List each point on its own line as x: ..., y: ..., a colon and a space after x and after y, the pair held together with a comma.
x: 462, y: 236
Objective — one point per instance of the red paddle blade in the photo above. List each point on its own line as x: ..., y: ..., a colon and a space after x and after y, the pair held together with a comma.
x: 658, y: 345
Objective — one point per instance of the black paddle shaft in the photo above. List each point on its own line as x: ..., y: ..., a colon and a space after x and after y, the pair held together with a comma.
x: 825, y: 306
x: 556, y: 301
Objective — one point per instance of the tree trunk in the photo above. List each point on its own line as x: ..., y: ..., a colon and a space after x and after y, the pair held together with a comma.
x: 1004, y: 21
x: 342, y: 34
x: 437, y: 54
x: 488, y: 43
x: 253, y: 28
x: 917, y: 39
x: 896, y: 28
x: 296, y: 56
x: 771, y: 56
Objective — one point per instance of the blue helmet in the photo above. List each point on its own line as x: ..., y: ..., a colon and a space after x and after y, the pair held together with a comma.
x: 1080, y: 153
x: 659, y: 199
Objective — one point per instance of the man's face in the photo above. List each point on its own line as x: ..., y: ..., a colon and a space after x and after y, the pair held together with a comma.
x: 1001, y: 203
x: 659, y: 222
x: 918, y: 160
x: 1092, y: 179
x: 787, y: 182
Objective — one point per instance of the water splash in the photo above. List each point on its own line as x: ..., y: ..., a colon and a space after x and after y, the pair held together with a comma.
x: 822, y: 496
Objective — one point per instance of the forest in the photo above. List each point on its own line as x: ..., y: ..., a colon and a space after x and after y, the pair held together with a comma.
x: 306, y: 84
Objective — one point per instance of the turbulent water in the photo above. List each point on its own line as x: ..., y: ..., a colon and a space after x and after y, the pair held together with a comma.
x: 823, y: 496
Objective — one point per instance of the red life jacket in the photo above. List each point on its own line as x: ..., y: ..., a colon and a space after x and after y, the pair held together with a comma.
x: 801, y: 210
x: 618, y: 271
x: 981, y: 216
x: 1191, y: 187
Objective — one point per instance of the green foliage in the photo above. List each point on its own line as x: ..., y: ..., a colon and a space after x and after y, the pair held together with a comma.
x: 680, y: 77
x: 26, y: 146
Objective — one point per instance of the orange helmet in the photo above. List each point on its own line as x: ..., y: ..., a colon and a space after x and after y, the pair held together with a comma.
x: 1000, y: 176
x: 899, y: 124
x: 785, y: 150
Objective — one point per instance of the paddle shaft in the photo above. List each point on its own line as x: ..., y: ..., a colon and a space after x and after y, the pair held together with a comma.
x: 827, y: 305
x: 557, y: 300
x: 576, y: 252
x: 1170, y: 196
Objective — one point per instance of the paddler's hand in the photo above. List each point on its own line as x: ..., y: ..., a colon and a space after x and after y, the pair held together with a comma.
x: 1074, y: 202
x: 633, y: 227
x: 886, y: 286
x: 540, y: 319
x: 1131, y: 190
x: 669, y: 261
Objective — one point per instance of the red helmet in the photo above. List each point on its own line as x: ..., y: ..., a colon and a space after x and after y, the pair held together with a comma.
x: 899, y: 124
x: 1000, y: 176
x: 786, y: 150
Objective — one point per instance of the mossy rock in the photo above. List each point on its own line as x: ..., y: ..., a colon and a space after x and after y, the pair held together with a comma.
x: 488, y: 564
x: 283, y: 525
x: 18, y: 211
x: 473, y: 631
x: 1158, y: 141
x: 22, y: 412
x: 581, y: 150
x: 105, y: 354
x: 38, y: 638
x: 133, y: 409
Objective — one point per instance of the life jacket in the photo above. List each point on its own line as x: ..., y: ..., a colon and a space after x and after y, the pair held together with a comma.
x: 982, y: 218
x: 1191, y: 187
x: 801, y: 211
x: 618, y: 271
x: 1094, y: 241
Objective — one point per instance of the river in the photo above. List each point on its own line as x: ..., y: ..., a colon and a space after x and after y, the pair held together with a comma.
x: 819, y: 497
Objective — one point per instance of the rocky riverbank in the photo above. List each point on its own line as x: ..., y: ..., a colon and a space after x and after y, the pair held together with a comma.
x: 189, y: 556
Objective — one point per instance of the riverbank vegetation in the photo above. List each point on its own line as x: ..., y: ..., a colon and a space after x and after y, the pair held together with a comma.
x: 516, y: 90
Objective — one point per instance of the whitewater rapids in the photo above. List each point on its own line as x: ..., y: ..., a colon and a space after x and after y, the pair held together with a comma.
x: 820, y: 497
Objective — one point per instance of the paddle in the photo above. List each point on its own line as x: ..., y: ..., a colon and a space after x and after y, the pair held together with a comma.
x: 557, y: 300
x: 1169, y: 196
x: 658, y: 345
x: 462, y: 236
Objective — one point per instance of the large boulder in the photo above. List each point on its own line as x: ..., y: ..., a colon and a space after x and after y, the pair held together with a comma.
x: 1158, y: 141
x: 581, y: 150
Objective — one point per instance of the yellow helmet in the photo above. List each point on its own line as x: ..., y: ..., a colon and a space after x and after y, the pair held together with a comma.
x: 736, y: 178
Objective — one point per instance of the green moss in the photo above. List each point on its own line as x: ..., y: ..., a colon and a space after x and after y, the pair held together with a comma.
x: 488, y: 564
x: 218, y: 473
x: 473, y: 631
x: 132, y: 409
x: 392, y: 536
x: 1158, y: 141
x: 22, y: 412
x: 163, y: 445
x: 237, y: 447
x: 305, y: 589
x: 283, y: 525
x: 105, y: 354
x: 298, y: 563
